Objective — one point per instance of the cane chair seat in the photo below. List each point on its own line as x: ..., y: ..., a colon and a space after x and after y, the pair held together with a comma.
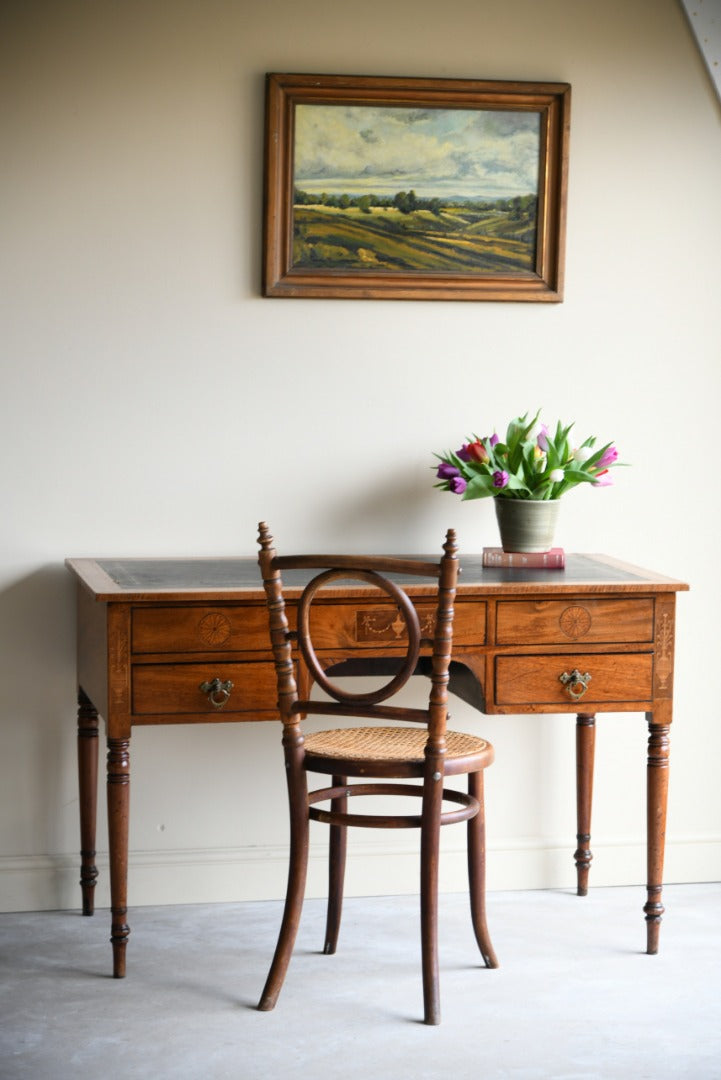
x: 402, y: 745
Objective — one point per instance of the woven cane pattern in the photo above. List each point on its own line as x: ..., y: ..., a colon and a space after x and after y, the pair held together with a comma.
x: 387, y: 744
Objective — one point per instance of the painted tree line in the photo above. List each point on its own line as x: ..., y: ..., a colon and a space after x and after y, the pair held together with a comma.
x: 407, y: 202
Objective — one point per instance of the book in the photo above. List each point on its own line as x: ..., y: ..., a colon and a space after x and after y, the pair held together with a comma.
x: 555, y: 559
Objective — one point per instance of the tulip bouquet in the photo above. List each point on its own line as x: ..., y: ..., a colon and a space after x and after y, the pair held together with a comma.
x: 532, y: 463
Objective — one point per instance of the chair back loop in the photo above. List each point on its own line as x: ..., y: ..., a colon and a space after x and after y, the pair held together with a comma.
x: 406, y: 610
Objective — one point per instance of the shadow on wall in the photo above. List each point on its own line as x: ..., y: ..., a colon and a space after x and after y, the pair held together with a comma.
x: 37, y: 708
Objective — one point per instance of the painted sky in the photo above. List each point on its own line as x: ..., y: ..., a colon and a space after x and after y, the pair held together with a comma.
x: 473, y: 153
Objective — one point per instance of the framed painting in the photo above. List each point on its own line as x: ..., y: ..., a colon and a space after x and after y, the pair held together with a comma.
x: 415, y: 189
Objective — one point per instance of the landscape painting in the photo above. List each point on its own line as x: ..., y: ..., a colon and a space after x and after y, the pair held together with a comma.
x: 394, y: 189
x: 414, y: 188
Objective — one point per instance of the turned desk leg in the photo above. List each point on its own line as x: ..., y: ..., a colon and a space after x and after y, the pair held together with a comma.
x: 657, y: 799
x: 118, y: 819
x: 585, y: 748
x: 88, y: 792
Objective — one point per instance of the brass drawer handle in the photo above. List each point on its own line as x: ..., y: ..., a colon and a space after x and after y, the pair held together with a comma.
x: 218, y: 691
x: 576, y: 684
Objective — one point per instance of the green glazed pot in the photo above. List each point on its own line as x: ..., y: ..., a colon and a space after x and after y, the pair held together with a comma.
x: 527, y: 524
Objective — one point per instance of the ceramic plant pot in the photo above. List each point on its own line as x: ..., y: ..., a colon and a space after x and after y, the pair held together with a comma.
x: 527, y: 524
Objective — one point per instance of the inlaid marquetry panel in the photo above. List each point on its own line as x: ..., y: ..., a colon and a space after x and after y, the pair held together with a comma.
x: 349, y: 626
x: 529, y: 622
x: 186, y: 629
x: 665, y: 635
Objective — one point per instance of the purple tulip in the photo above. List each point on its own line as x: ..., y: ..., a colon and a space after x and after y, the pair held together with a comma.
x: 500, y: 478
x: 446, y: 471
x: 464, y: 453
x: 494, y: 439
x: 457, y: 485
x: 608, y: 457
x: 542, y: 438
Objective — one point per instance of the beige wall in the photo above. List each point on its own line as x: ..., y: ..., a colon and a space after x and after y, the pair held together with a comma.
x: 153, y: 403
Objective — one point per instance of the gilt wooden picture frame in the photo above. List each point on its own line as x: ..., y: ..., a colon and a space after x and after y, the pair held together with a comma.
x: 405, y: 188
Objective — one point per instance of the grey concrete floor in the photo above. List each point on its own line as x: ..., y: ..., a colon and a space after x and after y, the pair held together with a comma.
x: 575, y: 996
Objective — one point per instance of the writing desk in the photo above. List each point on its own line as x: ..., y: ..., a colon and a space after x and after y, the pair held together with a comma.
x: 169, y: 641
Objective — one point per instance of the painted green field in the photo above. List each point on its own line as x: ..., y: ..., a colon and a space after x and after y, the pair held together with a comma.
x: 455, y: 240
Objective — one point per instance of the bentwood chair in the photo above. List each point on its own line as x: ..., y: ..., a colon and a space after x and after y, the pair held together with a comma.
x: 427, y: 753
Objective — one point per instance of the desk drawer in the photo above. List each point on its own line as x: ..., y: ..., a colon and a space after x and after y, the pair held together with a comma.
x: 367, y: 626
x: 174, y: 689
x: 535, y: 680
x: 530, y: 622
x: 226, y: 628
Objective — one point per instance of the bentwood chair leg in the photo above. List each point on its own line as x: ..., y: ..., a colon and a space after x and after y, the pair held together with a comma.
x: 289, y: 925
x: 477, y: 871
x: 297, y: 873
x: 430, y: 843
x: 336, y: 870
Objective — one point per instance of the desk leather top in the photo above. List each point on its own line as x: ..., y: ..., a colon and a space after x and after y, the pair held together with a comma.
x: 225, y: 578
